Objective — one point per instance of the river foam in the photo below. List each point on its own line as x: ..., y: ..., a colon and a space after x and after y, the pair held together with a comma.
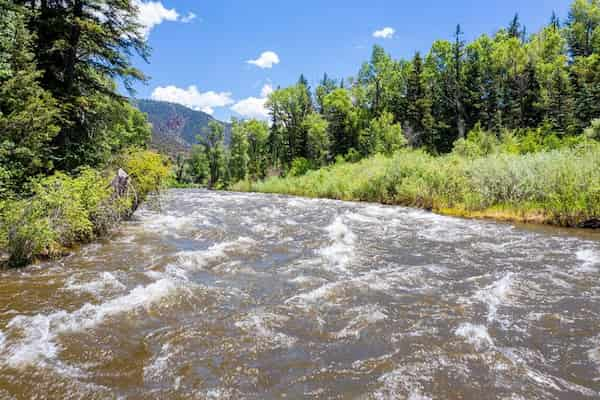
x: 97, y: 285
x: 495, y: 295
x: 365, y: 316
x: 341, y: 251
x: 477, y: 335
x: 197, y: 260
x: 39, y: 333
x: 261, y: 324
x: 589, y: 259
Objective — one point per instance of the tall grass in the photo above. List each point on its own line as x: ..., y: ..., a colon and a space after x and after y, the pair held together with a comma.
x: 559, y: 187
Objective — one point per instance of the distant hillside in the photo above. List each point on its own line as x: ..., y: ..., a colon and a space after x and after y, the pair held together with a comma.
x: 175, y: 127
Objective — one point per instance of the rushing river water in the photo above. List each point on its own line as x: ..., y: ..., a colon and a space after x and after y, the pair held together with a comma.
x: 243, y: 296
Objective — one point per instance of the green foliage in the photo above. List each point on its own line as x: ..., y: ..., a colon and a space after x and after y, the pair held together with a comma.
x: 66, y: 210
x: 238, y: 157
x: 198, y: 165
x: 300, y: 166
x: 147, y: 170
x: 317, y: 139
x: 343, y: 118
x: 29, y: 115
x: 215, y: 153
x: 583, y: 27
x: 288, y: 108
x: 382, y: 136
x: 593, y: 132
x: 559, y: 186
x: 477, y: 144
x: 60, y: 214
x: 258, y: 155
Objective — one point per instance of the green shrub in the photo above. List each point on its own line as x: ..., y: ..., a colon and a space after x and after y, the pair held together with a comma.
x: 593, y: 132
x: 148, y: 171
x: 562, y: 185
x: 300, y: 166
x: 66, y: 210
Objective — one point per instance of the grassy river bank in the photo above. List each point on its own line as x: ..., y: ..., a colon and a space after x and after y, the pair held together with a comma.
x: 559, y: 187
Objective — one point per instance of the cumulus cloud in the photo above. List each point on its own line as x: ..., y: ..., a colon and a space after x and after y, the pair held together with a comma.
x: 153, y: 13
x: 193, y: 98
x: 254, y: 107
x: 385, y: 33
x: 266, y: 60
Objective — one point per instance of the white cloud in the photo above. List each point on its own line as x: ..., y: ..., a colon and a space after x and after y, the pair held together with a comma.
x: 193, y: 98
x: 266, y: 60
x: 153, y: 13
x: 385, y: 33
x: 188, y: 18
x: 254, y: 107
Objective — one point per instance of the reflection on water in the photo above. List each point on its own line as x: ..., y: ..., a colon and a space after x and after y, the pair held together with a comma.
x: 223, y: 295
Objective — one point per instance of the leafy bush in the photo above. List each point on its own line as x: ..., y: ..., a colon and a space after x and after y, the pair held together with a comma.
x: 300, y: 166
x: 478, y: 143
x: 593, y: 132
x: 147, y: 170
x: 65, y: 210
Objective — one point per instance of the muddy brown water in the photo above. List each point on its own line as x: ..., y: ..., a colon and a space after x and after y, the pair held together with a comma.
x: 245, y: 296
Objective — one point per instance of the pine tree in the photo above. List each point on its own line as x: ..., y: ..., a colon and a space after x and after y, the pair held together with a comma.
x: 514, y: 28
x: 419, y: 118
x: 457, y: 83
x: 81, y: 47
x: 29, y: 115
x: 559, y: 113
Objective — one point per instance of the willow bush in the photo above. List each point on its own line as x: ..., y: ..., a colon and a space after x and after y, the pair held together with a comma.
x: 559, y: 186
x: 65, y: 210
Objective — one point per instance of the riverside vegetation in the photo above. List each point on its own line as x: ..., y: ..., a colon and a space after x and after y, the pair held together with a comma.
x: 506, y: 126
x: 65, y: 130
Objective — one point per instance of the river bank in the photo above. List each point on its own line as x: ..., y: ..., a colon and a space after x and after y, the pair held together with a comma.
x: 64, y: 211
x: 559, y: 187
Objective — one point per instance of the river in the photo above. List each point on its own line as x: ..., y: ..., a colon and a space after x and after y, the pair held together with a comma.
x: 246, y: 296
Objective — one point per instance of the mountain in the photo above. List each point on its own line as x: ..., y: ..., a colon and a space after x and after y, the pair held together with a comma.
x: 175, y: 127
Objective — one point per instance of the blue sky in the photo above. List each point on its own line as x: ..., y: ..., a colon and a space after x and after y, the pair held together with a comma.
x: 201, y: 48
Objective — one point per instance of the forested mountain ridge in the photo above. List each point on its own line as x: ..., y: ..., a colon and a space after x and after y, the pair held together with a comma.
x: 175, y: 127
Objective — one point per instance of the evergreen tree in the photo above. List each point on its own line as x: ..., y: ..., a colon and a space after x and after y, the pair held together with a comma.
x: 583, y: 28
x: 29, y: 115
x: 514, y: 28
x: 326, y: 86
x: 82, y: 46
x: 559, y: 113
x: 420, y: 121
x: 457, y: 82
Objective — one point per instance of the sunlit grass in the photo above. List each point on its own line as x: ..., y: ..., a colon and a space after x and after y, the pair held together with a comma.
x: 560, y: 187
